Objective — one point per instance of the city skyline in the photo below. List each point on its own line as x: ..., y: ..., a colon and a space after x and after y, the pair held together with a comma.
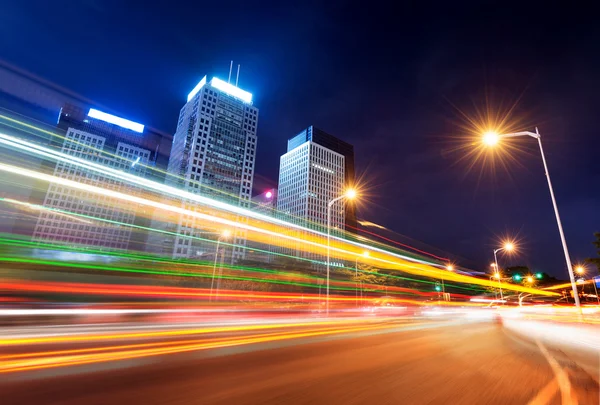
x: 299, y: 203
x: 466, y: 213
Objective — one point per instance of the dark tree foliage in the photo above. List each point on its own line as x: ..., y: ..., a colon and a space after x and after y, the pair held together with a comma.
x: 596, y: 260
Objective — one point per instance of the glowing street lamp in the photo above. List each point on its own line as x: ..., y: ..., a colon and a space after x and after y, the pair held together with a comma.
x: 580, y: 270
x: 507, y: 247
x: 225, y: 234
x: 530, y: 279
x: 350, y: 194
x: 492, y: 139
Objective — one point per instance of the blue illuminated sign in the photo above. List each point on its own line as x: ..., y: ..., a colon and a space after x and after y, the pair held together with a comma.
x: 113, y: 119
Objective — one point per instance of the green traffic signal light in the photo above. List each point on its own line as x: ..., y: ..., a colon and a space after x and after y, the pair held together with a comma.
x: 538, y: 275
x: 517, y: 277
x: 438, y: 288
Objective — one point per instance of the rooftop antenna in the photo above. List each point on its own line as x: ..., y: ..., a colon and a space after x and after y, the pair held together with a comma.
x: 230, y: 69
x: 238, y: 76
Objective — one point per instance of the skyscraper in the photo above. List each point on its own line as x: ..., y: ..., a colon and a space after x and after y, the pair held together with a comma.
x: 311, y: 175
x: 334, y: 144
x: 79, y: 217
x: 213, y: 154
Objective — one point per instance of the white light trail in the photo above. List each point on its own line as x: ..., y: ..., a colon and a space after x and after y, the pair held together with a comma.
x: 165, y: 189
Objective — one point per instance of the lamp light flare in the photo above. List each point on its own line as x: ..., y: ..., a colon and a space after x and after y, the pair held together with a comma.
x: 269, y: 194
x: 530, y: 279
x: 491, y: 138
x: 580, y: 269
x: 509, y: 246
x: 350, y: 194
x: 450, y: 267
x: 226, y: 233
x: 497, y: 275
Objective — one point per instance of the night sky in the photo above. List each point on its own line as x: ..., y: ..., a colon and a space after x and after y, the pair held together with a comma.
x: 398, y: 83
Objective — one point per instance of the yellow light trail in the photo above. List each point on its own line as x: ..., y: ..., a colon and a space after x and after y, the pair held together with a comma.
x: 340, y: 246
x: 182, y: 332
x: 44, y: 360
x: 178, y: 193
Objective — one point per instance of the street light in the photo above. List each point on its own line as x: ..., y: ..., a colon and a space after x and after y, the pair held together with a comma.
x: 508, y: 247
x: 449, y: 267
x: 530, y: 279
x: 580, y: 270
x: 491, y: 139
x: 225, y: 234
x: 365, y: 255
x: 350, y: 194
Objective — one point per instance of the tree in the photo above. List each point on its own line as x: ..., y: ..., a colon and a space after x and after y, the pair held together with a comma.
x: 596, y: 260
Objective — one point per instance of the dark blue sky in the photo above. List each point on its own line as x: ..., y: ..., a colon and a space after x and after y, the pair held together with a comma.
x: 387, y: 79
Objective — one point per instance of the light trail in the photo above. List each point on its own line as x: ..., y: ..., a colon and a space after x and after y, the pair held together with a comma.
x: 445, y: 259
x: 177, y: 293
x: 165, y: 189
x: 414, y: 267
x: 162, y: 334
x: 72, y: 357
x: 38, y: 207
x: 304, y: 280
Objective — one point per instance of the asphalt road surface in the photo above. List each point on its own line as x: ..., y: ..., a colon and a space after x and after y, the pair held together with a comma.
x: 407, y: 363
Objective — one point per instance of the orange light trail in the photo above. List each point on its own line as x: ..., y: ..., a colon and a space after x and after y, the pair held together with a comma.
x: 58, y: 358
x: 157, y: 334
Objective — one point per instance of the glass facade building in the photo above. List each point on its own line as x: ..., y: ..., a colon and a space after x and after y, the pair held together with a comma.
x: 213, y: 154
x: 334, y: 144
x: 311, y: 175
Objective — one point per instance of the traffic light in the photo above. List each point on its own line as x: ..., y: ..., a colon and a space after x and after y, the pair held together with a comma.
x: 438, y: 287
x: 517, y: 277
x: 539, y: 275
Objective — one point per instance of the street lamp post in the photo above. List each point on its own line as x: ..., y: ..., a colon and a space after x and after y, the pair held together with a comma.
x: 508, y: 246
x: 350, y: 194
x: 449, y: 268
x: 225, y: 234
x: 365, y: 254
x: 492, y: 139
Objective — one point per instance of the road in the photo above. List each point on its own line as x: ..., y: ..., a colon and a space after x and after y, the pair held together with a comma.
x: 391, y: 362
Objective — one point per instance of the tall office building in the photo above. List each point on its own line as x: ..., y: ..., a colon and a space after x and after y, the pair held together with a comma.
x: 213, y: 154
x: 80, y: 217
x: 334, y: 144
x: 311, y: 175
